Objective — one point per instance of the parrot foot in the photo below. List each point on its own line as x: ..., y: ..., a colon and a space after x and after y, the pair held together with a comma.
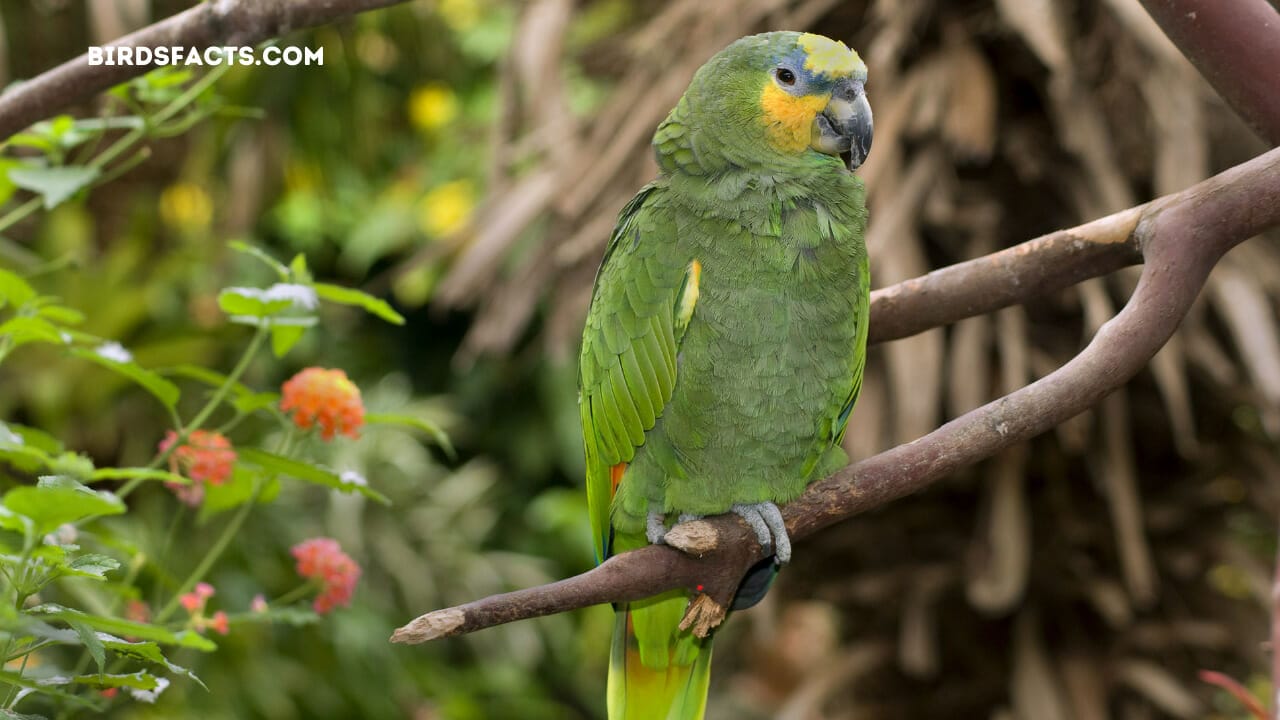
x: 766, y: 520
x: 655, y: 528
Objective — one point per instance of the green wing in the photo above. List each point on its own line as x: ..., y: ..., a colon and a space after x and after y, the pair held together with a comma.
x: 627, y: 369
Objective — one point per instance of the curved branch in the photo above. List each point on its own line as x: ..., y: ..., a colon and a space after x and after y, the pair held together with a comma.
x: 208, y: 24
x: 1235, y: 44
x: 1181, y: 237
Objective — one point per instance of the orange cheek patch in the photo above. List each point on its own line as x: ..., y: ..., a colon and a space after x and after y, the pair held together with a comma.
x: 789, y: 119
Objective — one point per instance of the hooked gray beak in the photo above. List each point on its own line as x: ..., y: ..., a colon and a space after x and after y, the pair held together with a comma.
x: 843, y: 128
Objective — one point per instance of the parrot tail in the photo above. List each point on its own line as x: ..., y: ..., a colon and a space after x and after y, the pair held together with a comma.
x: 673, y: 684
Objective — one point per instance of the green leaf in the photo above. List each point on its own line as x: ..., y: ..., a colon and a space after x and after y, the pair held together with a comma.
x: 233, y: 493
x: 250, y: 302
x: 25, y: 448
x: 90, y: 565
x: 298, y: 269
x: 247, y: 249
x: 125, y: 628
x: 146, y: 651
x: 54, y: 184
x: 61, y: 315
x: 25, y: 330
x: 34, y: 141
x: 90, y: 640
x: 9, y: 520
x: 409, y: 421
x: 138, y: 473
x: 307, y: 473
x: 351, y: 296
x: 164, y: 391
x: 284, y: 337
x: 140, y: 680
x: 73, y: 465
x: 14, y: 290
x: 45, y: 686
x: 246, y: 400
x: 26, y: 459
x: 57, y: 500
x: 34, y: 437
x: 11, y: 715
x: 252, y: 403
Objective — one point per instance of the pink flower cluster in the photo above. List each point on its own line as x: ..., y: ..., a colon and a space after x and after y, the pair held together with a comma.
x: 194, y: 603
x: 322, y: 559
x: 206, y: 457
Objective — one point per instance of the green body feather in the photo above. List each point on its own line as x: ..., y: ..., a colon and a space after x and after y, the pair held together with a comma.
x: 744, y: 400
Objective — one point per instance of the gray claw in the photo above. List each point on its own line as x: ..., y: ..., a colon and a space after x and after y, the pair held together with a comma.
x: 655, y: 528
x: 766, y: 520
x: 688, y: 517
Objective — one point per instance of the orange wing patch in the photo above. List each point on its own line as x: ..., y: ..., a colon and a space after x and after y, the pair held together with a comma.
x: 615, y: 477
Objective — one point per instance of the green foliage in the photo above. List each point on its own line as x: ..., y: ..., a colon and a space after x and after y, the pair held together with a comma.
x: 38, y: 516
x: 398, y: 164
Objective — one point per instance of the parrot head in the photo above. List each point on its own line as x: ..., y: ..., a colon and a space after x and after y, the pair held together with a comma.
x: 778, y: 100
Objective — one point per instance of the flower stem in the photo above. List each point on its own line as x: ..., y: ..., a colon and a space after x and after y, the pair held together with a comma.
x: 297, y: 593
x: 221, y: 393
x: 215, y: 552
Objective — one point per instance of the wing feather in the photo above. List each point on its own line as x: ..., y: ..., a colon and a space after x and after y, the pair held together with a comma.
x: 628, y: 363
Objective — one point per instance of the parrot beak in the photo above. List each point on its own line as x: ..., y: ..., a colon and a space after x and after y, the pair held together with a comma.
x: 843, y: 128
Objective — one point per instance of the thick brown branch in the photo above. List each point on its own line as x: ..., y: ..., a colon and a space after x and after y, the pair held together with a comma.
x: 209, y: 24
x: 1181, y: 237
x: 1235, y: 44
x: 1034, y: 268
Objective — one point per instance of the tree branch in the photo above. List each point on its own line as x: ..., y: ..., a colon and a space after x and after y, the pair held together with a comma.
x: 208, y: 24
x: 1235, y: 44
x: 1179, y: 237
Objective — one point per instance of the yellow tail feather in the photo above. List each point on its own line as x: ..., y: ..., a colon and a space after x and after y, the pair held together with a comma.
x: 677, y: 691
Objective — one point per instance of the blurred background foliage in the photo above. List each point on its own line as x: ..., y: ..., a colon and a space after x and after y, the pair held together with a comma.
x: 466, y: 159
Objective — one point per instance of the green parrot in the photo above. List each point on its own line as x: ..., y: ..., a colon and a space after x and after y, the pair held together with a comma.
x: 726, y: 338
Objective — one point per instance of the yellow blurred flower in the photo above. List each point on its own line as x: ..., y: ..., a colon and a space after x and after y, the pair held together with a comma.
x: 459, y: 14
x: 432, y: 106
x: 446, y: 208
x: 186, y: 205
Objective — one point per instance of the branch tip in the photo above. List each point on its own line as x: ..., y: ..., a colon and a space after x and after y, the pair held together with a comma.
x: 433, y: 625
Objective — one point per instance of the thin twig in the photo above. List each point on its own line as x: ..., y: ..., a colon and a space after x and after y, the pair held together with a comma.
x: 1181, y: 237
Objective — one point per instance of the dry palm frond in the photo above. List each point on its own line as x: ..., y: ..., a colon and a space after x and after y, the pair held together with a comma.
x: 996, y: 121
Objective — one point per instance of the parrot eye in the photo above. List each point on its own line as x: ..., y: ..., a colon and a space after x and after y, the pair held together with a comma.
x: 786, y: 77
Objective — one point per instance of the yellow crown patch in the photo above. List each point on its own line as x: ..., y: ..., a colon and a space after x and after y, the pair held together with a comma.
x: 829, y: 57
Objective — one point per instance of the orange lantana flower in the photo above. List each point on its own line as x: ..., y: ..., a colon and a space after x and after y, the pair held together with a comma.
x: 205, y: 457
x: 322, y: 559
x: 326, y: 398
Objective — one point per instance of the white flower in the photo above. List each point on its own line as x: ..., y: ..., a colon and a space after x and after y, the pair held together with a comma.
x: 114, y: 351
x: 351, y: 477
x: 66, y: 534
x: 302, y: 296
x: 149, y: 696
